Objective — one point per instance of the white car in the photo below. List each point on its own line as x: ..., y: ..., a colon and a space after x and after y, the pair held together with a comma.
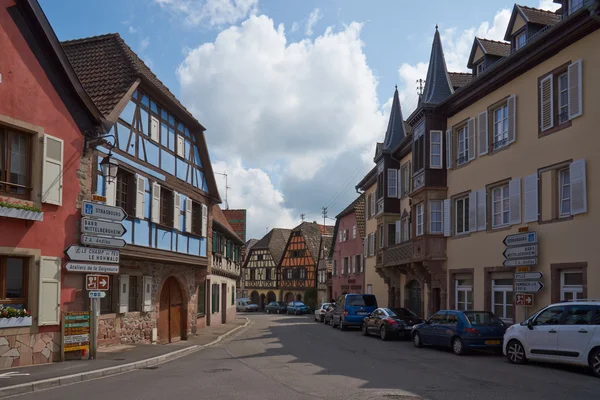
x: 566, y: 332
x: 320, y: 312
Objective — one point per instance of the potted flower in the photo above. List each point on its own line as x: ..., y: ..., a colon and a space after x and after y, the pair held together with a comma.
x: 14, y: 317
x: 20, y: 209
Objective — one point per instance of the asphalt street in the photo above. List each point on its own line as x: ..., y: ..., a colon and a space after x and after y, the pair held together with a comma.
x: 289, y: 357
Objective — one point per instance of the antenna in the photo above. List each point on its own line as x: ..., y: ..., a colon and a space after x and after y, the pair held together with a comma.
x: 324, y: 213
x: 227, y: 187
x: 302, y: 216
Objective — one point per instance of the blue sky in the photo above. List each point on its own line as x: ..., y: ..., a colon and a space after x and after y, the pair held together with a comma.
x: 294, y: 94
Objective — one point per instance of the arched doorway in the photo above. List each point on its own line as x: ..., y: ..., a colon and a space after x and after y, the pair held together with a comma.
x: 271, y: 297
x: 171, y: 316
x: 262, y: 301
x: 414, y: 297
x: 289, y: 297
x: 298, y: 297
x: 254, y: 297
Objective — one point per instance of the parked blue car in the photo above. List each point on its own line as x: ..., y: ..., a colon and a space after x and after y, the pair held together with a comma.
x: 297, y: 307
x: 351, y: 310
x: 461, y: 330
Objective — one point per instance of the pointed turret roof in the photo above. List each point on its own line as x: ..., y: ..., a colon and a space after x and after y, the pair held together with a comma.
x: 437, y: 84
x: 395, y: 130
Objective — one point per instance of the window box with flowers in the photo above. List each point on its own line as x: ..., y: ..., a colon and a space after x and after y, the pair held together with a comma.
x: 13, y: 317
x: 20, y: 209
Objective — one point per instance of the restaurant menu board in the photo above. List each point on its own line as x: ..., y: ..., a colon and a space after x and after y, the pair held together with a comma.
x: 77, y: 330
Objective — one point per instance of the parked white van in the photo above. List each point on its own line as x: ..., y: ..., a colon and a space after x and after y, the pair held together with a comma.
x: 245, y: 304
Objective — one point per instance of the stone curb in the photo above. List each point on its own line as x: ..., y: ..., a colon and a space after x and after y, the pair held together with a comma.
x: 104, y: 372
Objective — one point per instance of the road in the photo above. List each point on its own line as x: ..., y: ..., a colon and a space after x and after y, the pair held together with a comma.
x: 289, y: 357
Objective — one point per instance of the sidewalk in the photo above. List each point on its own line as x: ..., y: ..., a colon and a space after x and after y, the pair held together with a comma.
x: 110, y: 360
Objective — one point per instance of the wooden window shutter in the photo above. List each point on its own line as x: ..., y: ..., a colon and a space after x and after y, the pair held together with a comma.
x: 392, y: 182
x: 483, y: 133
x: 575, y: 85
x: 547, y: 103
x: 176, y: 210
x: 531, y: 198
x: 400, y: 190
x: 52, y: 172
x: 188, y: 215
x: 110, y: 191
x: 398, y: 231
x: 578, y: 187
x: 481, y: 210
x: 140, y: 196
x: 49, y: 291
x: 147, y: 294
x: 204, y: 220
x: 447, y: 218
x: 180, y: 146
x: 473, y: 212
x: 154, y: 129
x: 449, y: 149
x: 512, y: 118
x: 472, y: 139
x: 123, y: 293
x: 155, y: 211
x: 514, y: 193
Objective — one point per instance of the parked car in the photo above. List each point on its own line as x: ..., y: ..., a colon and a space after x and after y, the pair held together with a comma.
x: 297, y: 307
x: 390, y: 323
x: 320, y: 312
x: 328, y: 313
x: 277, y: 307
x: 560, y: 333
x: 245, y: 304
x: 351, y: 310
x: 461, y: 330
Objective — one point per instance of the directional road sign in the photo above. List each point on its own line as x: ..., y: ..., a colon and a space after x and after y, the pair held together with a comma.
x: 95, y: 294
x: 520, y: 239
x: 528, y: 275
x: 517, y: 263
x: 97, y: 282
x: 98, y: 210
x: 80, y: 253
x: 97, y: 227
x: 521, y: 251
x: 524, y: 299
x: 528, y: 286
x: 100, y: 268
x: 89, y: 240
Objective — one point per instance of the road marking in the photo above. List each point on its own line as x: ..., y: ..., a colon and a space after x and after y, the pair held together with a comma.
x: 7, y: 375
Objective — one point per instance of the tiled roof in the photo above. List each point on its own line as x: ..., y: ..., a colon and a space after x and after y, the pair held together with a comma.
x: 107, y: 67
x: 395, y: 130
x: 358, y: 208
x: 460, y: 79
x: 250, y: 243
x: 274, y: 241
x: 220, y: 218
x: 437, y: 84
x: 537, y: 16
x: 312, y: 232
x: 495, y: 48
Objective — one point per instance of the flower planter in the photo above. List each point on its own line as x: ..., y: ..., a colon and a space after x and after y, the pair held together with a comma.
x: 21, y: 214
x: 15, y: 322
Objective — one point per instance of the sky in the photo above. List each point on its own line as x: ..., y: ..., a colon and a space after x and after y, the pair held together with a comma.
x: 294, y: 94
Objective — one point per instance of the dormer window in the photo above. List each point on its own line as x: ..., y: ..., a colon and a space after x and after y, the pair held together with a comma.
x: 480, y: 68
x: 520, y: 40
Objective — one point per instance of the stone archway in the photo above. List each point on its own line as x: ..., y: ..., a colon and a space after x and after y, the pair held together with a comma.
x: 172, y: 312
x: 289, y: 297
x: 298, y: 297
x: 271, y: 297
x: 254, y: 297
x: 415, y: 297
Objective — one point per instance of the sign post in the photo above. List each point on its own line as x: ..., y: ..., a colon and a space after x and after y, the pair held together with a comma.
x: 76, y: 330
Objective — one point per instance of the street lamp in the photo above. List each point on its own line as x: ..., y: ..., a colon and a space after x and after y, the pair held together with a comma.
x: 109, y: 167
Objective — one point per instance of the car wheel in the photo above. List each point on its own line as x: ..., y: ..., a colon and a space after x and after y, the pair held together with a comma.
x: 383, y: 333
x: 458, y: 347
x: 417, y: 340
x: 515, y: 352
x: 332, y: 322
x: 364, y: 329
x: 268, y: 311
x: 342, y: 326
x: 594, y: 361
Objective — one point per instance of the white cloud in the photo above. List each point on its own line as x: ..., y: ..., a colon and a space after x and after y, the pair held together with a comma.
x: 313, y: 18
x: 132, y: 29
x: 295, y: 27
x: 214, y: 12
x: 144, y: 43
x: 548, y: 5
x: 306, y: 112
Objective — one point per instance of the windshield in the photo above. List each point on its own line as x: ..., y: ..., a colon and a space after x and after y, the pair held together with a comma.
x: 482, y: 318
x: 298, y: 304
x: 325, y: 305
x: 281, y: 303
x: 362, y: 301
x: 400, y: 312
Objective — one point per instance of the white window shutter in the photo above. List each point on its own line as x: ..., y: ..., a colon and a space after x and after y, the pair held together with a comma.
x: 531, y: 198
x: 392, y: 182
x: 140, y: 198
x: 373, y: 204
x: 52, y: 173
x: 514, y: 193
x: 575, y: 85
x: 473, y: 212
x: 123, y: 293
x: 449, y: 149
x: 447, y: 219
x: 176, y: 210
x: 204, y: 220
x: 547, y: 103
x: 578, y: 187
x: 472, y: 139
x: 398, y: 232
x: 483, y: 133
x: 147, y: 294
x: 49, y: 291
x: 353, y: 265
x: 366, y: 246
x: 180, y: 146
x: 154, y: 129
x: 512, y: 118
x: 481, y: 210
x: 341, y: 236
x: 110, y: 192
x: 188, y: 215
x: 400, y: 190
x: 155, y: 202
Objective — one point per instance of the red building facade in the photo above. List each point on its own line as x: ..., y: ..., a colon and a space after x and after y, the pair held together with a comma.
x: 237, y: 220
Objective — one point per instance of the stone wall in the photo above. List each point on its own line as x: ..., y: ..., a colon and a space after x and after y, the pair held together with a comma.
x: 136, y: 327
x: 29, y: 349
x: 107, y: 330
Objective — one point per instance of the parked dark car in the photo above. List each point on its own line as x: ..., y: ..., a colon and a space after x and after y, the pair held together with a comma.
x: 277, y: 307
x: 390, y: 323
x: 297, y: 307
x: 461, y: 331
x: 328, y: 313
x: 351, y: 310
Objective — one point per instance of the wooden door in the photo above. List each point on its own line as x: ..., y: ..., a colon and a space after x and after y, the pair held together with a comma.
x: 163, y: 315
x: 170, y: 316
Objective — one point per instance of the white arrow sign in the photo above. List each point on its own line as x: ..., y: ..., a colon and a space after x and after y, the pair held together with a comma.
x: 520, y: 239
x: 518, y: 263
x: 102, y: 241
x: 521, y: 251
x: 101, y: 268
x: 528, y: 275
x: 7, y: 375
x: 98, y: 210
x: 528, y: 286
x: 80, y: 253
x: 94, y: 226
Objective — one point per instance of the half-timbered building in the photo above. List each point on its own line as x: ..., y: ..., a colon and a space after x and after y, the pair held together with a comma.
x: 260, y: 268
x: 324, y: 270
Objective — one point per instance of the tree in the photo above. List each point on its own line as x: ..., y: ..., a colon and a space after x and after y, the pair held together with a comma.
x: 310, y: 298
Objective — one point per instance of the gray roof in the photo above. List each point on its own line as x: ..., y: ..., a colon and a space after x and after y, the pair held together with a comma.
x: 250, y: 243
x: 460, y: 79
x: 274, y: 241
x: 395, y: 130
x: 312, y: 232
x: 437, y: 83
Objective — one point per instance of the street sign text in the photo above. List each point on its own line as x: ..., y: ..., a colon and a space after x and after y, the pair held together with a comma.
x: 94, y: 226
x: 102, y: 241
x: 524, y: 299
x: 103, y: 211
x: 521, y: 251
x: 100, y: 268
x: 80, y: 253
x: 520, y: 239
x: 528, y: 286
x: 528, y: 275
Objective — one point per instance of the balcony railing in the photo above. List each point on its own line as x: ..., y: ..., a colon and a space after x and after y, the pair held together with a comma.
x: 225, y: 264
x: 398, y: 254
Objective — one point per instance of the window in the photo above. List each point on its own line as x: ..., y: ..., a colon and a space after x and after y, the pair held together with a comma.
x: 166, y: 207
x: 391, y: 234
x: 392, y: 183
x: 435, y: 216
x: 405, y: 229
x: 252, y: 274
x: 369, y: 205
x: 480, y: 68
x: 134, y: 300
x: 13, y: 282
x: 500, y: 206
x: 563, y: 98
x: 196, y: 218
x: 520, y: 41
x: 259, y: 257
x: 560, y: 97
x: 500, y: 124
x: 582, y: 315
x: 334, y: 267
x: 268, y: 274
x: 15, y: 163
x: 464, y: 294
x: 419, y: 147
x: 371, y: 244
x: 344, y: 265
x: 345, y: 235
x: 462, y: 141
x: 354, y: 232
x: 571, y: 285
x: 502, y: 299
x: 575, y: 5
x: 297, y: 253
x: 564, y: 187
x: 201, y: 298
x: 550, y: 316
x: 380, y: 181
x: 435, y: 149
x: 358, y: 263
x: 302, y: 273
x: 462, y: 215
x: 125, y: 191
x: 289, y: 274
x: 406, y: 178
x: 419, y: 209
x: 369, y: 288
x: 381, y: 237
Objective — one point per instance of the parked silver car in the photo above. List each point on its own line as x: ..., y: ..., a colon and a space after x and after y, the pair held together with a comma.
x: 245, y: 305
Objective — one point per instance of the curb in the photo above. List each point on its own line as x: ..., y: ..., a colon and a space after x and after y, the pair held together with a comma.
x: 104, y: 372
